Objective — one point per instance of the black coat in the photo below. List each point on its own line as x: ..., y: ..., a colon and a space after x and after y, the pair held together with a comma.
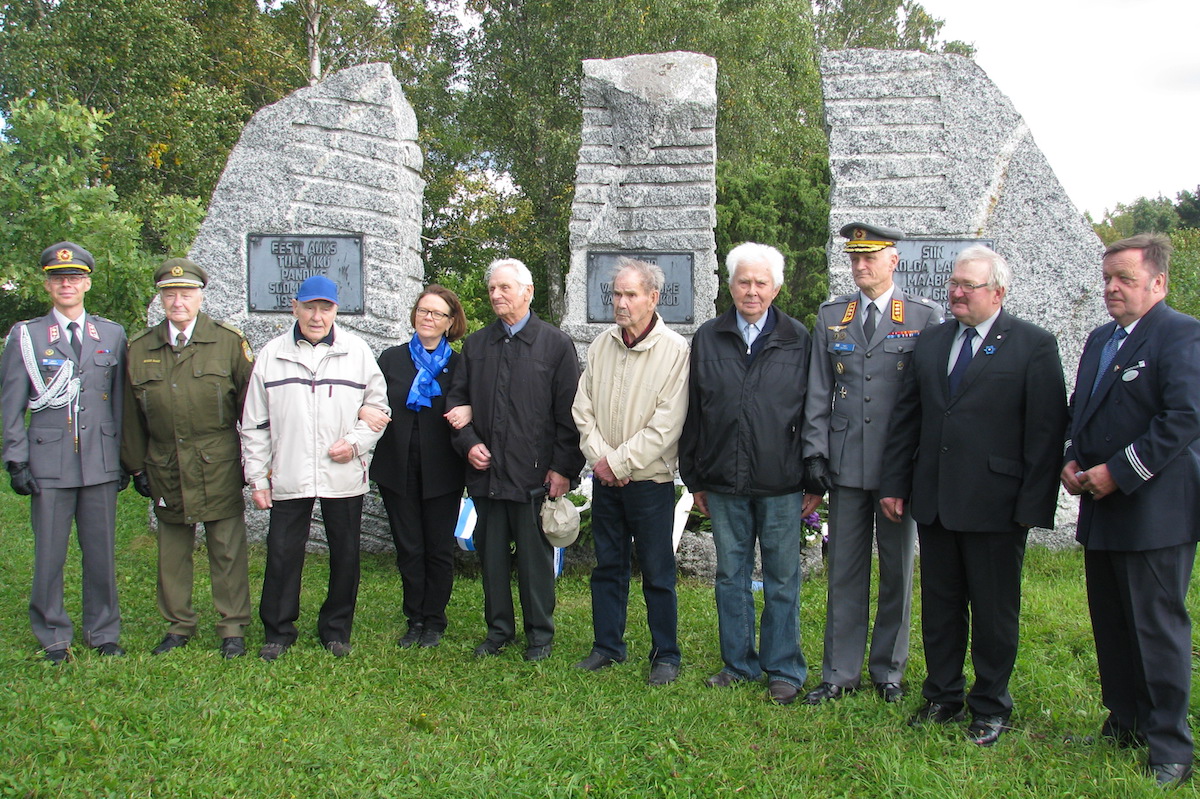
x: 988, y: 459
x: 442, y: 469
x: 742, y: 433
x: 520, y: 390
x: 1144, y: 422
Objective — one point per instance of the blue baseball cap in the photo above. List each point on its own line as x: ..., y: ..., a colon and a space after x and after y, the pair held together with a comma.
x: 317, y: 287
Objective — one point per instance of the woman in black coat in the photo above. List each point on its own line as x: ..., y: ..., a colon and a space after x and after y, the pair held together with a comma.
x: 420, y: 476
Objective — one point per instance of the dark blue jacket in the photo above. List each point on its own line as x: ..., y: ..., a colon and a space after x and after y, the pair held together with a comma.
x: 1144, y: 422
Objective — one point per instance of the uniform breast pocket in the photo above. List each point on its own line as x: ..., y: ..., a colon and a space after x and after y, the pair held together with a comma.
x: 216, y: 382
x: 105, y: 361
x: 146, y: 384
x: 897, y: 355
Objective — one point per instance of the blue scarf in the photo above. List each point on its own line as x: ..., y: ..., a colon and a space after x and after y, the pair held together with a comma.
x: 429, y: 365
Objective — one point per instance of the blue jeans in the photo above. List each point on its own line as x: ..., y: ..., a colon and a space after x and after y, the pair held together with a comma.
x: 639, y: 515
x: 739, y: 521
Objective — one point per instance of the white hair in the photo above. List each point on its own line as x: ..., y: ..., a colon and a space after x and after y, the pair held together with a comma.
x: 999, y: 275
x: 524, y: 277
x: 751, y: 252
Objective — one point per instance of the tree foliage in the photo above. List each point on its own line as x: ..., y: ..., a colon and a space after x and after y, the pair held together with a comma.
x: 883, y: 25
x: 1150, y: 215
x: 50, y: 190
x: 788, y: 208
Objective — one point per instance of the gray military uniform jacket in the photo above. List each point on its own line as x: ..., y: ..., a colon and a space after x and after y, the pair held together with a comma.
x: 853, y: 383
x: 49, y: 444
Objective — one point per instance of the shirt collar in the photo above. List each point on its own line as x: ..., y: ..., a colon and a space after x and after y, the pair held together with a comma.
x: 64, y: 321
x: 187, y: 331
x: 880, y: 302
x: 517, y: 326
x: 983, y: 328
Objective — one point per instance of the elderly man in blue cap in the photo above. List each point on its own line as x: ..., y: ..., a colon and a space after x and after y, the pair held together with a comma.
x: 302, y: 439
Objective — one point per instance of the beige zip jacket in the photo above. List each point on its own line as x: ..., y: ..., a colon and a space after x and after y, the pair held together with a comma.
x: 631, y: 403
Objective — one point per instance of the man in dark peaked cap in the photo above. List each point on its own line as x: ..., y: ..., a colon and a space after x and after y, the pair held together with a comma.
x: 66, y: 368
x: 862, y: 346
x: 186, y: 384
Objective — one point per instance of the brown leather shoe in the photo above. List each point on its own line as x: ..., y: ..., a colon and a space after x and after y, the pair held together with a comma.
x: 782, y: 692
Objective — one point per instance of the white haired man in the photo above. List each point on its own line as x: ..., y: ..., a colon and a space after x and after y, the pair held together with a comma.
x: 741, y: 456
x: 519, y: 375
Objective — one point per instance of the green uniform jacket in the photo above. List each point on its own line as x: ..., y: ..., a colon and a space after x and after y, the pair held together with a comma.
x: 181, y: 415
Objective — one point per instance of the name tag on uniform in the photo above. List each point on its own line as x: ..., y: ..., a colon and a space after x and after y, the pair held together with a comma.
x: 53, y: 361
x: 843, y: 346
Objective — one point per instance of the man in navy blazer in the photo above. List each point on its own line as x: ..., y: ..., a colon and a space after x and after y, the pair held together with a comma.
x: 974, y: 456
x: 1134, y: 458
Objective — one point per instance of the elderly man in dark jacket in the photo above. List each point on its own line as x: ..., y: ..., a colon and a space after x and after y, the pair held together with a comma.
x: 741, y: 456
x: 519, y: 375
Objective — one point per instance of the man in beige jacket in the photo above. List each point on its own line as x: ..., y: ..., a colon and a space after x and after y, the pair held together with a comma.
x: 630, y: 408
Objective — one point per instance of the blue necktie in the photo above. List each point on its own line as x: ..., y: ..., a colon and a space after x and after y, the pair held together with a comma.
x: 1108, y: 354
x: 964, y: 360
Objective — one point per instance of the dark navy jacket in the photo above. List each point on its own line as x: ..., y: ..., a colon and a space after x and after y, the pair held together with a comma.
x: 1144, y: 422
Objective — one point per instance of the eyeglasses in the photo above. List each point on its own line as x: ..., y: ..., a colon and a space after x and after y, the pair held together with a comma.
x: 429, y: 313
x: 964, y: 287
x: 68, y: 280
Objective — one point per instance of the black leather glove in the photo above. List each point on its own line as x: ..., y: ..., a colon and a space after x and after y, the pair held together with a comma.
x: 141, y: 484
x: 123, y: 481
x: 22, y: 478
x: 816, y: 476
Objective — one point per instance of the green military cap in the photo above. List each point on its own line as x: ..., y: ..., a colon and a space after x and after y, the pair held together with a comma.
x: 180, y: 273
x: 861, y: 237
x: 67, y: 258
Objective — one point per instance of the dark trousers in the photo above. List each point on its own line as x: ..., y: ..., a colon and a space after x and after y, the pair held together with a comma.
x: 423, y: 532
x: 500, y: 523
x: 639, y: 515
x: 1144, y: 644
x: 970, y: 586
x: 287, y: 535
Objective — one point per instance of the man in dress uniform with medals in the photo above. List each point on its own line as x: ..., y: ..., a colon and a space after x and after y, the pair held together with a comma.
x: 862, y: 344
x: 66, y: 369
x: 187, y: 383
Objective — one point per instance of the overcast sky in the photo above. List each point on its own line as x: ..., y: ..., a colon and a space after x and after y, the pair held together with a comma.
x: 1068, y: 65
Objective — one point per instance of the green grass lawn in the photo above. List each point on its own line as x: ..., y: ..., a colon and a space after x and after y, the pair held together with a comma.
x: 389, y: 722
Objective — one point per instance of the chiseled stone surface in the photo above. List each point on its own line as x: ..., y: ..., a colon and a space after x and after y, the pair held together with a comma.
x: 646, y: 176
x: 928, y: 144
x: 340, y: 157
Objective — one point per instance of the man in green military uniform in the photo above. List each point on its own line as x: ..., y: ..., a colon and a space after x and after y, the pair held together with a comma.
x: 186, y: 384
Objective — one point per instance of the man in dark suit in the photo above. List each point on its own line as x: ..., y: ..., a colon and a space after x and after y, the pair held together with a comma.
x: 982, y: 412
x: 1134, y: 457
x: 67, y: 368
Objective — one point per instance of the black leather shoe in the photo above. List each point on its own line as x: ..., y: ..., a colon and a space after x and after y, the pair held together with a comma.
x: 170, y: 641
x: 937, y: 713
x: 723, y: 679
x: 1170, y: 775
x: 340, y: 649
x: 491, y: 647
x: 782, y: 692
x: 535, y: 654
x: 272, y: 650
x: 233, y: 647
x: 430, y: 638
x: 595, y: 661
x: 825, y: 692
x: 111, y: 649
x: 889, y: 691
x: 413, y: 636
x: 57, y: 656
x: 986, y: 730
x: 663, y: 673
